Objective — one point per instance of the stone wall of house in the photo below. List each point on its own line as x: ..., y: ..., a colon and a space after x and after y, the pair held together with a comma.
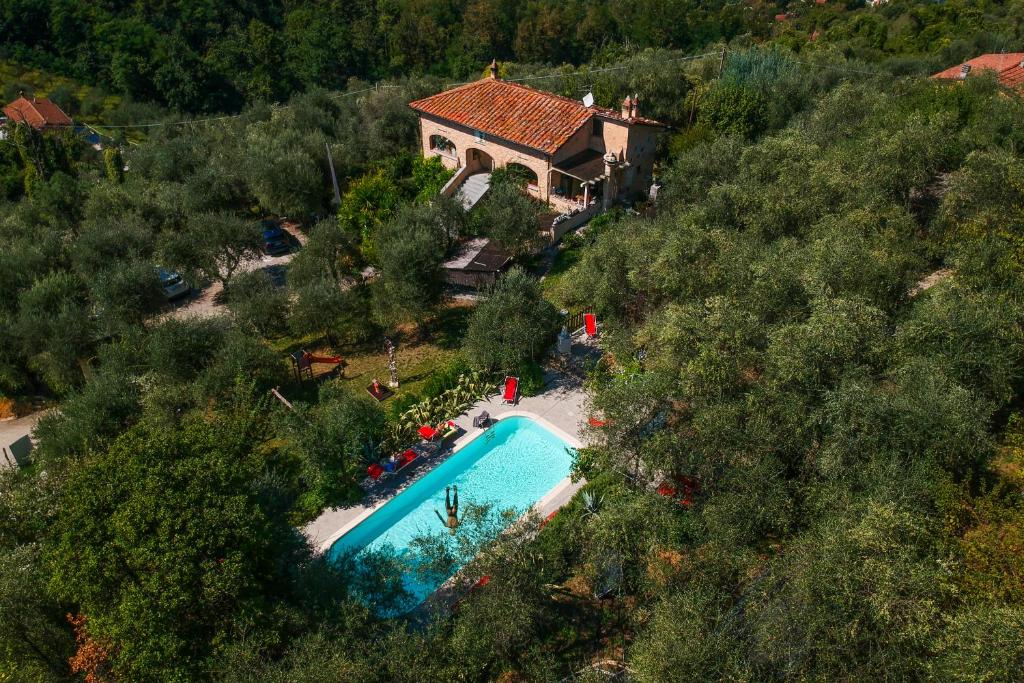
x: 642, y: 145
x: 638, y: 143
x: 580, y: 141
x: 499, y: 152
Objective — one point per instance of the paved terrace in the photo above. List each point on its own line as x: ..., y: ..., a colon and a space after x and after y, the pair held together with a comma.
x: 560, y: 408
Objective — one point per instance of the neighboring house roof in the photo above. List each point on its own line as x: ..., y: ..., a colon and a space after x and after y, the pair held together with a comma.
x: 1007, y: 67
x: 516, y: 113
x: 37, y: 112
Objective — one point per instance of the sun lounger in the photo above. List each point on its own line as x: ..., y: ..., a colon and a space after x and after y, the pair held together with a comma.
x: 374, y: 471
x: 590, y: 324
x: 427, y: 433
x: 405, y: 458
x: 511, y: 393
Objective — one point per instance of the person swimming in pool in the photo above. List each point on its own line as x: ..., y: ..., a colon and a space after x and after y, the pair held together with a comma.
x: 451, y: 508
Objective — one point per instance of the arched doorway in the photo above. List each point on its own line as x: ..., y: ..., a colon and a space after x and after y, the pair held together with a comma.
x: 524, y: 174
x: 478, y: 160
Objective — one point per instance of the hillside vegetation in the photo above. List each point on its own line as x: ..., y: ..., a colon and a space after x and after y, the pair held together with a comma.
x: 818, y: 327
x: 201, y: 55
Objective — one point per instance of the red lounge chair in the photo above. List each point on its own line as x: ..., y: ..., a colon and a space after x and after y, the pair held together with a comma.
x: 375, y: 471
x: 406, y: 458
x: 427, y: 432
x: 590, y: 324
x: 481, y: 582
x: 511, y: 394
x: 597, y: 423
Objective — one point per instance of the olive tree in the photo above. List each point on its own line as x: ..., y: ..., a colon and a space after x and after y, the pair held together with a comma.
x: 512, y: 325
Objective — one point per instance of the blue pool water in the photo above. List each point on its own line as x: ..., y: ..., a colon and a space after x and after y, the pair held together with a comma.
x: 512, y: 465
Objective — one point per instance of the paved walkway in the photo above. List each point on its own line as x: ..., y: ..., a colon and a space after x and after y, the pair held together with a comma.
x: 12, y: 430
x: 561, y: 408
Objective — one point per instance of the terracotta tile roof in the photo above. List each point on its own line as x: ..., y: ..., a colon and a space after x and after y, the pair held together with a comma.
x: 1007, y: 66
x: 38, y: 112
x: 515, y: 112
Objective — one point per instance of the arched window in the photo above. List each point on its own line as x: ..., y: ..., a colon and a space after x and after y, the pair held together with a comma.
x: 442, y: 145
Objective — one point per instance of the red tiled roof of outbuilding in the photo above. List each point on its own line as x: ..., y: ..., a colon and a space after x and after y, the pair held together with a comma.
x: 515, y: 112
x: 1006, y: 65
x: 38, y: 112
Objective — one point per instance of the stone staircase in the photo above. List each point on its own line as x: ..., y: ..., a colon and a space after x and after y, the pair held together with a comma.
x: 473, y: 189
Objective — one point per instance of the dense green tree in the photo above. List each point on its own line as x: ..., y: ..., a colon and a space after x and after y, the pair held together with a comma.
x: 54, y: 329
x: 369, y: 202
x: 214, y: 244
x: 507, y: 215
x: 125, y: 293
x: 171, y: 550
x: 285, y: 168
x: 410, y: 252
x: 511, y: 326
x: 257, y: 301
x: 35, y: 640
x: 333, y: 440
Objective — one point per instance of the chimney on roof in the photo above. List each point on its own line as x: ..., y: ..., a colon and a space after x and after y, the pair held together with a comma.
x: 627, y: 107
x: 494, y: 69
x: 635, y: 110
x: 964, y: 70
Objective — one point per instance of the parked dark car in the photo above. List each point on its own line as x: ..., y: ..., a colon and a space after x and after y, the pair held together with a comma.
x: 275, y: 240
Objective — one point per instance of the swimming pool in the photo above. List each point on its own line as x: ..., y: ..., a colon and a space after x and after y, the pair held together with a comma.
x: 511, y: 465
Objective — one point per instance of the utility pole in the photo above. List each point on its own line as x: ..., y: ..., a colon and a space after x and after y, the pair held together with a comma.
x: 721, y: 64
x: 334, y: 176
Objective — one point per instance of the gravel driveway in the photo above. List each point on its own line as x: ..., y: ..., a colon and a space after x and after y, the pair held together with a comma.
x: 207, y: 302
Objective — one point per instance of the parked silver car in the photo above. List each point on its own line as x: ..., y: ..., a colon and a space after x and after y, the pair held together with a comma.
x: 172, y: 284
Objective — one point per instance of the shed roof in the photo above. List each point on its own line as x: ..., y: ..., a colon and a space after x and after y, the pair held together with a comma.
x: 480, y: 254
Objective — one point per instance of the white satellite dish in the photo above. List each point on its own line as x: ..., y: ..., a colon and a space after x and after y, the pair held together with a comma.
x: 588, y: 100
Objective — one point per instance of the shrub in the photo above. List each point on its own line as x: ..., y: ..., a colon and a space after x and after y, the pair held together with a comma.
x: 257, y: 301
x: 531, y: 379
x: 512, y: 326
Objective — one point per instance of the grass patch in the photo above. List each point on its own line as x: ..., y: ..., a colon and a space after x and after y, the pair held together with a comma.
x: 418, y: 356
x: 555, y: 284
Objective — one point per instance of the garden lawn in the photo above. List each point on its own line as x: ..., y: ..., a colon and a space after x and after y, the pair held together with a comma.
x: 417, y: 357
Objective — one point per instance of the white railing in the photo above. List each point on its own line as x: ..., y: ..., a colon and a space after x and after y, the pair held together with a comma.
x: 449, y: 188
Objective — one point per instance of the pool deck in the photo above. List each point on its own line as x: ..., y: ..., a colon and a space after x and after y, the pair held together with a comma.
x: 561, y: 408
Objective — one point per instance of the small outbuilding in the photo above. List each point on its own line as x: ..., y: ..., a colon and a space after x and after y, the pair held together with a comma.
x: 477, y: 264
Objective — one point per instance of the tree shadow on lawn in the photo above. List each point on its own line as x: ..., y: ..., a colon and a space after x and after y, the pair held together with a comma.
x: 449, y: 326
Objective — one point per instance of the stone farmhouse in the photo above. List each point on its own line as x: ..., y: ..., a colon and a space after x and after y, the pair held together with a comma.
x: 578, y: 158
